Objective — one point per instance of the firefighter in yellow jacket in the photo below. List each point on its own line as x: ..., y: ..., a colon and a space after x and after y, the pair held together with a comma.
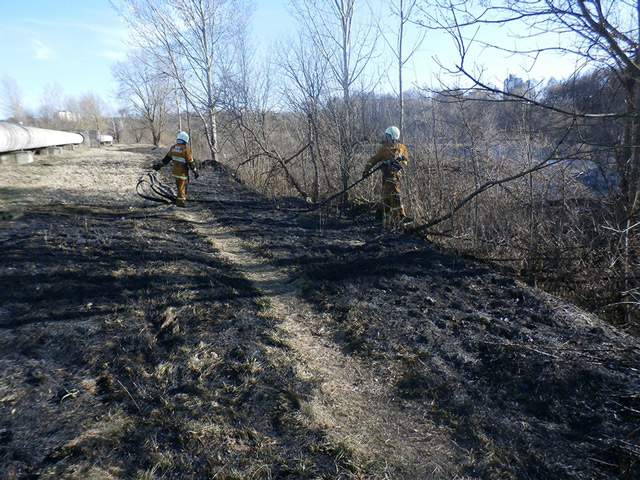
x: 182, y: 163
x: 395, y: 157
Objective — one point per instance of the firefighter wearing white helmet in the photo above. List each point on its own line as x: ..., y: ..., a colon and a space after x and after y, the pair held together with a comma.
x: 395, y: 157
x: 183, y: 161
x: 393, y: 132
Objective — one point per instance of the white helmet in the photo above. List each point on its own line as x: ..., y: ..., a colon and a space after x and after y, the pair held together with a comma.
x: 393, y: 132
x: 184, y: 136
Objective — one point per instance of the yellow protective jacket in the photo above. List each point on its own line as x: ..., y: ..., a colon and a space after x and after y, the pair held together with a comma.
x: 182, y: 158
x: 389, y: 151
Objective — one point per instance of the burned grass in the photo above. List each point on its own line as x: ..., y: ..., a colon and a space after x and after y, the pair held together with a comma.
x: 131, y: 348
x: 136, y: 353
x: 527, y: 385
x: 130, y: 351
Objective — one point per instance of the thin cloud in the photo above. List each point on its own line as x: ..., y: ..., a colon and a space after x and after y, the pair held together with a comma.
x: 42, y: 51
x: 76, y: 25
x: 106, y: 41
x: 117, y: 56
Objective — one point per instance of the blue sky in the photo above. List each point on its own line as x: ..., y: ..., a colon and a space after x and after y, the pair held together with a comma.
x: 71, y: 43
x: 74, y: 43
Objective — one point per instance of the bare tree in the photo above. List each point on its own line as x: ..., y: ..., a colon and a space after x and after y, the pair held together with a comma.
x: 347, y: 44
x: 53, y: 100
x: 194, y: 41
x: 91, y: 111
x: 602, y: 35
x: 12, y: 99
x: 404, y: 10
x: 133, y: 129
x: 306, y: 91
x: 146, y: 90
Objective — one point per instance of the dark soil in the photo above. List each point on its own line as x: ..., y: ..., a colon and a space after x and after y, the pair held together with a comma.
x: 131, y: 348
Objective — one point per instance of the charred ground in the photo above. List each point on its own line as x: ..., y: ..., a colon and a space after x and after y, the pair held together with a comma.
x: 132, y: 347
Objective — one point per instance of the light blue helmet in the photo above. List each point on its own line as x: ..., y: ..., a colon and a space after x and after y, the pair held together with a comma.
x: 184, y: 136
x: 393, y: 132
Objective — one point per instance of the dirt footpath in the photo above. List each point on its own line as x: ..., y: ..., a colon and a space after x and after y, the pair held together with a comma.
x: 244, y: 338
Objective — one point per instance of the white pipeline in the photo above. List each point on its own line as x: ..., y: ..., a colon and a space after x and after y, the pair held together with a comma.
x: 17, y: 137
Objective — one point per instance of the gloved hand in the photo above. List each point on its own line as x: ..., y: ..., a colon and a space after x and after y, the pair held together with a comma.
x: 193, y: 168
x: 366, y: 173
x: 395, y: 165
x: 157, y: 166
